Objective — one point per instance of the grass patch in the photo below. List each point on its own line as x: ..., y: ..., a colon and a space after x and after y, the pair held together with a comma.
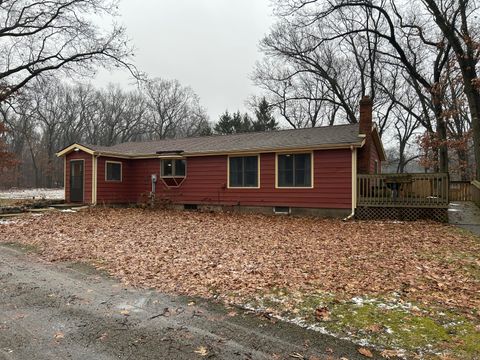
x: 383, y: 323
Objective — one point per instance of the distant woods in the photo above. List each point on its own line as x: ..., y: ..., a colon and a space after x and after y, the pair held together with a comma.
x: 49, y: 115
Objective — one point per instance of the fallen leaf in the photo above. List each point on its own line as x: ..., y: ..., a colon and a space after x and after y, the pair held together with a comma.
x: 388, y: 354
x: 365, y: 352
x: 298, y: 356
x: 202, y: 351
x: 374, y: 328
x: 322, y: 314
x: 59, y: 335
x: 125, y: 312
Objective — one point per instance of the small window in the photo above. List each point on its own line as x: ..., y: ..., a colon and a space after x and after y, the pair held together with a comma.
x: 173, y: 168
x: 113, y: 171
x: 375, y: 169
x: 281, y: 210
x: 243, y: 171
x: 190, y: 207
x: 294, y: 170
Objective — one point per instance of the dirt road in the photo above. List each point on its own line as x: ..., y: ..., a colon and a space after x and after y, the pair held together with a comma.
x: 69, y: 311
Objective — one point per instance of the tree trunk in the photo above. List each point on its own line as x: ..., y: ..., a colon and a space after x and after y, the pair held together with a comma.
x: 463, y: 164
x: 441, y: 131
x: 443, y: 148
x: 473, y: 97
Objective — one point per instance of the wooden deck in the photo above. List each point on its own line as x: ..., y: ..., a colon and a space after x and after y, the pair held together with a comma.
x: 403, y: 190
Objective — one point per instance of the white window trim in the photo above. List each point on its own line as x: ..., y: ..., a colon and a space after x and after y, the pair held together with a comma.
x: 173, y: 168
x: 312, y: 170
x: 258, y: 172
x: 121, y: 171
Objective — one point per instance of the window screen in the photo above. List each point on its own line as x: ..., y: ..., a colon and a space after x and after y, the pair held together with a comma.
x: 294, y: 170
x: 173, y: 167
x: 243, y: 171
x: 114, y: 171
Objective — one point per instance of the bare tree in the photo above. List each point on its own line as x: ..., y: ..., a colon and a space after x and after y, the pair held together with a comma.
x: 42, y: 37
x: 458, y: 22
x: 173, y: 110
x: 414, y: 39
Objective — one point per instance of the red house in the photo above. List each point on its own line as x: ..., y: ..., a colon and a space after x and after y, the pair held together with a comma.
x: 298, y: 171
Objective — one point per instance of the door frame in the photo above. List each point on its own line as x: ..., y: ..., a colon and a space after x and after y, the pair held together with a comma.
x: 70, y: 179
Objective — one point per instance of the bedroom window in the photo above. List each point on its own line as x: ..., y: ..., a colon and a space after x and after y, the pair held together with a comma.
x: 113, y: 171
x: 294, y: 170
x: 243, y: 172
x: 173, y: 168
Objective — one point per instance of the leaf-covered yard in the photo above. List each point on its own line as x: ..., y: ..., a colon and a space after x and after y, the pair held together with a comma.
x: 291, y: 261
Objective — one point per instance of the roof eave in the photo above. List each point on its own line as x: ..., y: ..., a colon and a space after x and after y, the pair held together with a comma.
x: 75, y: 147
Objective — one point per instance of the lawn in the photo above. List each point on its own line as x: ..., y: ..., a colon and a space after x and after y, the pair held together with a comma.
x: 25, y: 197
x: 409, y: 286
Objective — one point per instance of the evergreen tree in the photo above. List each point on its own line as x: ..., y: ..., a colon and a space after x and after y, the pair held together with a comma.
x: 234, y: 124
x: 265, y: 120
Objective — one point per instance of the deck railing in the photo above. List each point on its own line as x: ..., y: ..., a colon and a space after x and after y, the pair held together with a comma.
x: 460, y: 191
x: 476, y: 192
x: 403, y: 190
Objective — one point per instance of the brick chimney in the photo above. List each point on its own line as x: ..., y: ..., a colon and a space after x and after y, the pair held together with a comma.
x: 365, y: 128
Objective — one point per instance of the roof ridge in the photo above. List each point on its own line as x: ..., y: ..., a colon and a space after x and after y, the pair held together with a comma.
x: 236, y: 134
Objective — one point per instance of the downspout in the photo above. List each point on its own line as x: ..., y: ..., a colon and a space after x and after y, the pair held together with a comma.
x: 94, y: 178
x: 354, y: 183
x: 65, y: 177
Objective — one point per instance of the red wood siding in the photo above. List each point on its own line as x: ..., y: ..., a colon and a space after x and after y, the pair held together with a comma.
x: 87, y: 173
x: 374, y: 157
x: 206, y: 183
x: 114, y: 191
x: 367, y: 156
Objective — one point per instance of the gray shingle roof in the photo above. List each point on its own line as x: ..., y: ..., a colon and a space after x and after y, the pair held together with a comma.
x: 257, y: 141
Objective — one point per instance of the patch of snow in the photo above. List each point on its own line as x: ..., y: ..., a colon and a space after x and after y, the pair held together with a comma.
x: 21, y: 194
x: 68, y: 211
x: 358, y: 301
x: 6, y: 222
x: 136, y: 307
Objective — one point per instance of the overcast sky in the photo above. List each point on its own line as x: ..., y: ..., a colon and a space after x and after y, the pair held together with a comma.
x: 210, y: 45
